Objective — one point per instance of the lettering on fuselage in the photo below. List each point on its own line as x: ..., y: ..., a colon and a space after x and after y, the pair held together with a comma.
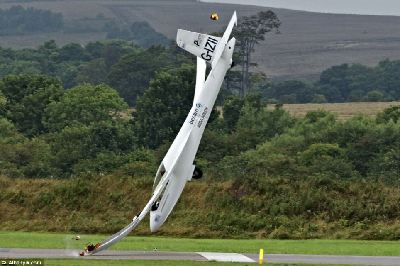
x: 195, y: 113
x: 200, y: 111
x: 203, y: 115
x: 209, y: 48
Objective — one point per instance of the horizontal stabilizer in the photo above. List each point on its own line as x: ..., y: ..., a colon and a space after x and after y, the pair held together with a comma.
x: 204, y: 46
x: 201, y: 45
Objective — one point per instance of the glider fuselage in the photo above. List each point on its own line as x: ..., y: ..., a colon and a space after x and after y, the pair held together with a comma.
x: 178, y: 161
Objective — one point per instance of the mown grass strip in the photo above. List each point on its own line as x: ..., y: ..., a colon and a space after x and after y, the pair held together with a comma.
x: 90, y: 262
x: 272, y: 246
x: 77, y: 262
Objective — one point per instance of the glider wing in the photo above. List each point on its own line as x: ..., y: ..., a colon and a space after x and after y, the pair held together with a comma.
x: 135, y: 221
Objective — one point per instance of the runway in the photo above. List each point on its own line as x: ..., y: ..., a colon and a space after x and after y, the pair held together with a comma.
x: 200, y: 256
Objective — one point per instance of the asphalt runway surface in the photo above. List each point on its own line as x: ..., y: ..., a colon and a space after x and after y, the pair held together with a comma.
x: 16, y: 253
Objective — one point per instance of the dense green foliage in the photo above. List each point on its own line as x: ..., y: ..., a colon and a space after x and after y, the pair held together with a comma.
x: 90, y: 128
x: 344, y: 83
x: 263, y: 207
x: 19, y: 20
x: 131, y: 75
x: 85, y: 105
x: 27, y: 97
x: 167, y: 101
x: 129, y: 69
x: 124, y: 66
x: 275, y: 175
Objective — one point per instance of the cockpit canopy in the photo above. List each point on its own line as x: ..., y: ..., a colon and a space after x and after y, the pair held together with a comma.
x: 160, y: 173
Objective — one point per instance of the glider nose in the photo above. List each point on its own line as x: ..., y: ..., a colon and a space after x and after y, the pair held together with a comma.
x: 155, y: 223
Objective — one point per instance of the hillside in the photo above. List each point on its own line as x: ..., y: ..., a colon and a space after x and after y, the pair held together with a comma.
x: 308, y: 43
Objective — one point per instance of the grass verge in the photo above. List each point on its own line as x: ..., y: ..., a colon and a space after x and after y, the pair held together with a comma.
x: 90, y: 262
x: 77, y: 262
x: 317, y: 246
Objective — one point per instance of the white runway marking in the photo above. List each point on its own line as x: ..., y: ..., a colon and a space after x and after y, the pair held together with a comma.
x: 225, y: 257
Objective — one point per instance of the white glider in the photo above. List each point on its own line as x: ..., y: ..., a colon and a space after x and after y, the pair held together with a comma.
x: 177, y: 166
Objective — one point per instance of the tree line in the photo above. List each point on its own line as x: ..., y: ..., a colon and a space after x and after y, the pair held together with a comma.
x: 129, y: 68
x: 18, y: 20
x: 49, y: 131
x: 343, y: 83
x: 120, y: 64
x: 266, y: 173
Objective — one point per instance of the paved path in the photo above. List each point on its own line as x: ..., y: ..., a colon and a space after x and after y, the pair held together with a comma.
x: 200, y: 256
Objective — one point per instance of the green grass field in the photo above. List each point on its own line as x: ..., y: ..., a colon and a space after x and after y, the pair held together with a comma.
x: 76, y: 262
x: 343, y: 111
x: 91, y: 262
x: 328, y: 247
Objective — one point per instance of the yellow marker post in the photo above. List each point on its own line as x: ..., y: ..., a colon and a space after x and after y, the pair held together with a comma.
x: 261, y: 258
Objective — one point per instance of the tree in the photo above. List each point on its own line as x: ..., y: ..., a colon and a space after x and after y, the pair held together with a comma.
x: 256, y: 124
x: 132, y: 74
x: 23, y: 157
x: 88, y: 120
x: 163, y: 107
x: 232, y: 81
x: 388, y: 77
x: 387, y: 166
x: 95, y: 49
x: 374, y: 96
x: 291, y: 91
x: 3, y: 102
x: 328, y: 159
x: 8, y: 132
x: 27, y: 98
x: 231, y: 111
x: 389, y: 114
x: 249, y: 32
x: 72, y: 52
x: 85, y: 104
x: 94, y: 72
x: 114, y: 50
x: 19, y: 67
x: 346, y: 82
x: 48, y: 57
x: 319, y: 98
x: 81, y: 144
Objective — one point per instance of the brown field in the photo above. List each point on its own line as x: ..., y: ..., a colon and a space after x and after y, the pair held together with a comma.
x: 343, y: 111
x: 308, y: 43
